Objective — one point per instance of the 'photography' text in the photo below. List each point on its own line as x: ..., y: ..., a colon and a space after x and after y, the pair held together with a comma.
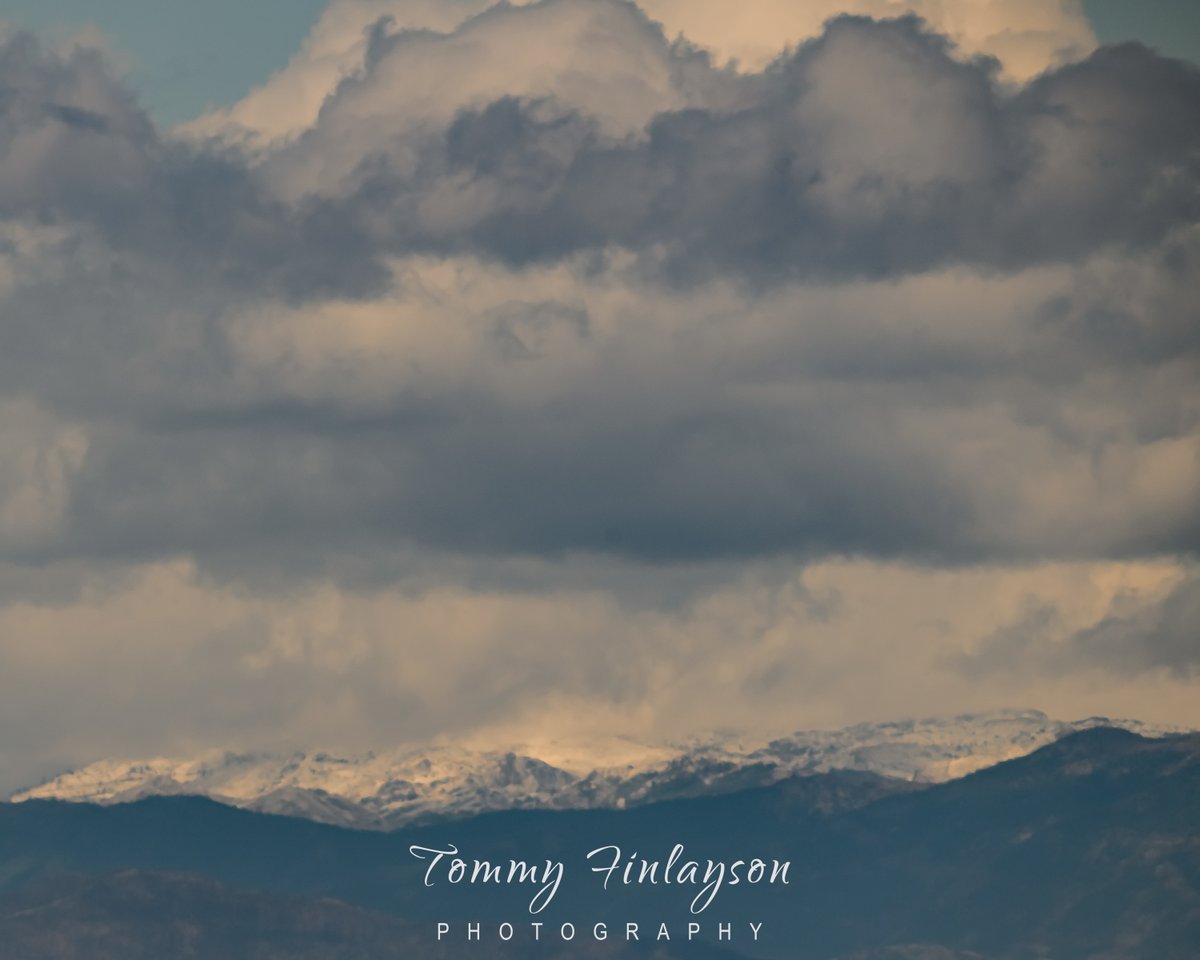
x: 702, y: 881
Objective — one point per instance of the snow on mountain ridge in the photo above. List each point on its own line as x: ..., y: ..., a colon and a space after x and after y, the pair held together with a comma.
x: 390, y: 789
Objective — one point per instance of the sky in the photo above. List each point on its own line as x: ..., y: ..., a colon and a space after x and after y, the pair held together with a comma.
x: 408, y: 370
x: 180, y: 56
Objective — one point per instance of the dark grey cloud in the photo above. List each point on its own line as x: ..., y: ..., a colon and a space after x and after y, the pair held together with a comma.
x: 587, y: 390
x: 79, y: 151
x: 808, y: 403
x: 654, y: 484
x: 871, y: 151
x: 1017, y: 646
x: 1135, y: 637
x: 1162, y: 636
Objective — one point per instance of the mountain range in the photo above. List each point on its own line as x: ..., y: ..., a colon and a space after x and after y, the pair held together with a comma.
x: 1086, y: 848
x: 407, y: 787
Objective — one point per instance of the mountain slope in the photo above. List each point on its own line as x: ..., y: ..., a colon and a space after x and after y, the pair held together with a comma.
x: 135, y: 915
x: 1086, y: 848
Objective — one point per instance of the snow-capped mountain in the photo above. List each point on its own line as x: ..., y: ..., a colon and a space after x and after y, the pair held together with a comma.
x: 387, y: 790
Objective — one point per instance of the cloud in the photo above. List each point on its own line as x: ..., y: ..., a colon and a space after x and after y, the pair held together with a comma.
x: 553, y: 370
x: 1027, y: 36
x: 575, y: 409
x: 768, y: 651
x: 1161, y: 636
x: 42, y: 458
x: 334, y: 50
x: 1147, y: 627
x: 870, y: 151
x: 602, y: 59
x: 81, y: 155
x: 838, y: 316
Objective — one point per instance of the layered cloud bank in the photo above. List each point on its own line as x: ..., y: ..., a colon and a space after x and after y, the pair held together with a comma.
x: 556, y: 348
